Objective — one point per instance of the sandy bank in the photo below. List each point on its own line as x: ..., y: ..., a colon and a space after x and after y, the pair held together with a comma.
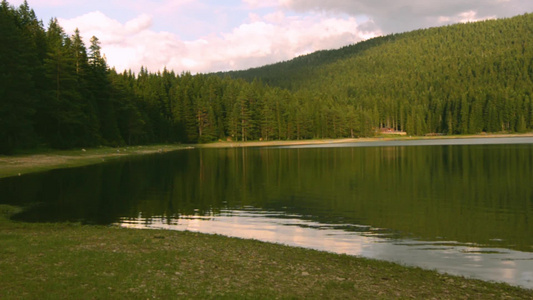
x: 222, y: 144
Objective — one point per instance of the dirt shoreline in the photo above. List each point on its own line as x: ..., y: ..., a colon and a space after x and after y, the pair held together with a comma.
x: 232, y: 144
x: 18, y: 165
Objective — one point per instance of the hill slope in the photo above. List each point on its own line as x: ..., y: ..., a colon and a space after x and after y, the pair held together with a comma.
x: 295, y: 72
x: 464, y: 78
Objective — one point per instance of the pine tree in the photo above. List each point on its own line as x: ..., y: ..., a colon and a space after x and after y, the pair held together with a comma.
x: 61, y: 117
x: 100, y: 88
x: 17, y: 90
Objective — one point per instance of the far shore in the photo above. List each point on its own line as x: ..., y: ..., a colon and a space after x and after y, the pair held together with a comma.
x: 232, y: 144
x: 19, y: 164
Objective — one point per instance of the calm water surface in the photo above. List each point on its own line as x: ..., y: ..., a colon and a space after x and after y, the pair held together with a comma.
x: 456, y: 206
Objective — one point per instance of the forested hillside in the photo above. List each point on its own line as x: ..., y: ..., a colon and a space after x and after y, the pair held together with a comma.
x: 57, y: 92
x: 465, y: 78
x: 295, y: 73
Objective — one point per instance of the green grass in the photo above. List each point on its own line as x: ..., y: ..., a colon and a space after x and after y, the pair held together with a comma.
x: 45, y: 159
x: 71, y: 261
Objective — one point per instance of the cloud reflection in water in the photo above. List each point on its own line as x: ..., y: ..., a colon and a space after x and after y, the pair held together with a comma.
x: 450, y: 257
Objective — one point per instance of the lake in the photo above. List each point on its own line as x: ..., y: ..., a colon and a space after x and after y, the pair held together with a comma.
x: 461, y: 206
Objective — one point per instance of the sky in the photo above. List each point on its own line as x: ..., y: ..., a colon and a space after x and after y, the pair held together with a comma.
x: 203, y: 36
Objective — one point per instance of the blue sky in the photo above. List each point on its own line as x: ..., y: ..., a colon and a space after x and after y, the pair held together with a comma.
x: 207, y: 35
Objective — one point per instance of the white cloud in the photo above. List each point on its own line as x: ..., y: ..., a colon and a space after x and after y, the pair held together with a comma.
x: 403, y: 15
x: 141, y: 23
x: 206, y: 35
x: 254, y: 4
x: 464, y: 17
x: 128, y: 45
x: 161, y: 7
x: 34, y: 3
x: 262, y: 40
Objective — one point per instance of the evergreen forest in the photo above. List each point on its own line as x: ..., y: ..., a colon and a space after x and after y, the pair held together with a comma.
x: 57, y: 92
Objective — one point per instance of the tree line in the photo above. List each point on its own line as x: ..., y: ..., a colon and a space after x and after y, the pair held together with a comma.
x: 458, y: 79
x: 57, y: 92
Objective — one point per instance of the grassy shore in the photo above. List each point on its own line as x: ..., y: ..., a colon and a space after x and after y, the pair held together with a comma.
x: 71, y: 261
x: 31, y: 162
x: 65, y: 261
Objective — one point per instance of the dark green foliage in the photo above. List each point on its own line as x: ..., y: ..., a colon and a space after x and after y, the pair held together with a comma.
x: 62, y: 117
x: 100, y: 96
x: 465, y: 78
x: 460, y: 79
x: 131, y: 123
x: 18, y: 63
x: 295, y: 73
